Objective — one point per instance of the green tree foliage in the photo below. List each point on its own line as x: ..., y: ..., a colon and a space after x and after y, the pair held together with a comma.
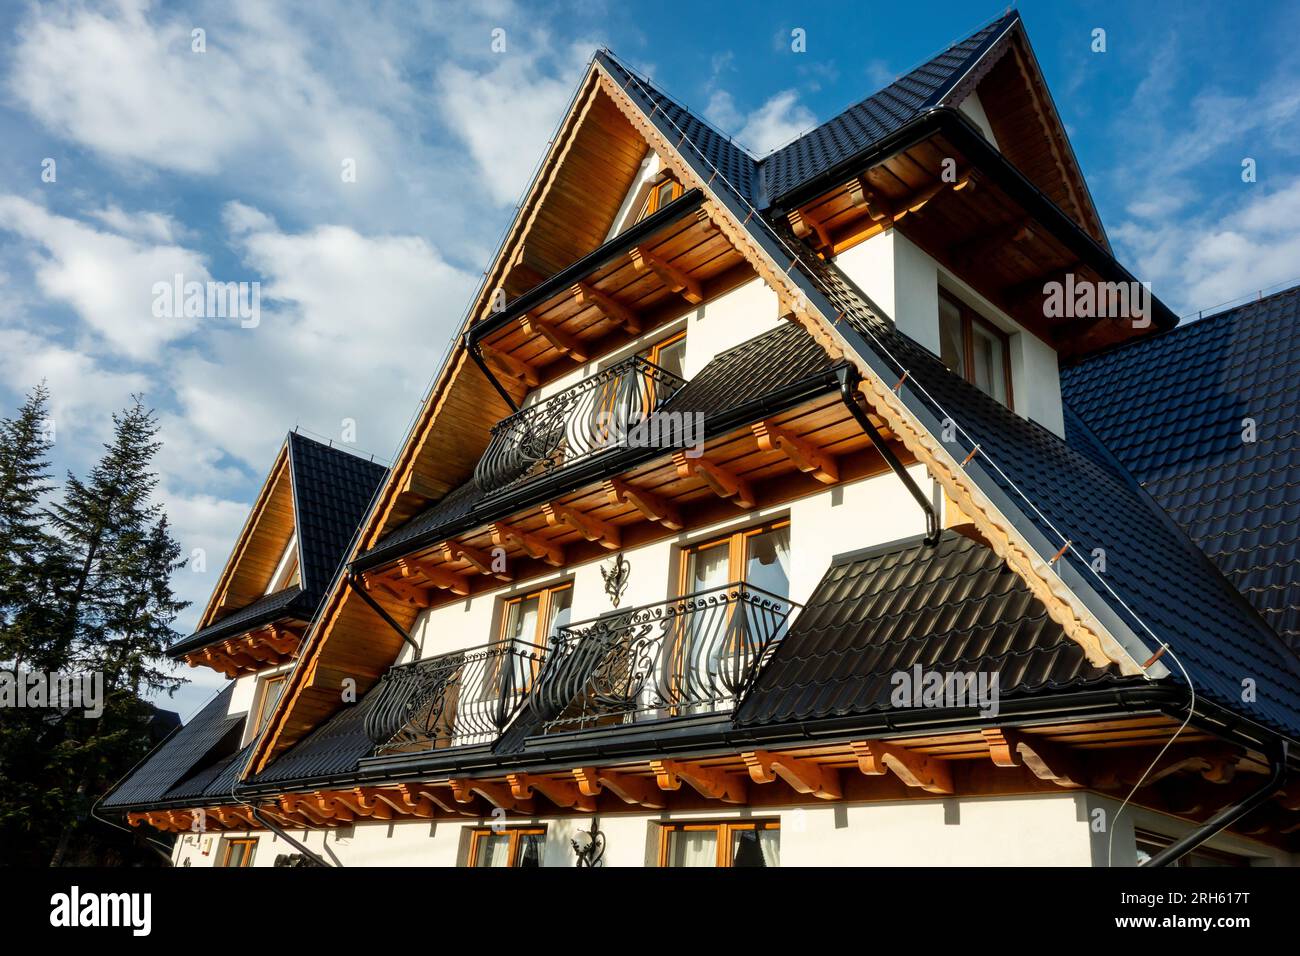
x: 84, y: 589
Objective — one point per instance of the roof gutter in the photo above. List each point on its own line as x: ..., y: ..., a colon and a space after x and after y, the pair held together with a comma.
x: 279, y: 831
x: 1229, y: 815
x: 963, y: 134
x: 848, y: 377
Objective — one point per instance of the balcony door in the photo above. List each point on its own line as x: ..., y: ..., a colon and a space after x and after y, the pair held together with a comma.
x: 723, y: 629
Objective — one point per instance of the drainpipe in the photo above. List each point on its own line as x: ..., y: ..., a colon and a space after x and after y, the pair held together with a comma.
x: 848, y: 379
x: 360, y: 589
x: 1227, y: 816
x: 261, y: 818
x: 472, y: 348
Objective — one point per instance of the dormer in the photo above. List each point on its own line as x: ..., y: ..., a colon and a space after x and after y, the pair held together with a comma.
x: 286, y: 556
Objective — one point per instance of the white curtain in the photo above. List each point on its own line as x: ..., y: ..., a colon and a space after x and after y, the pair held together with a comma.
x: 693, y: 848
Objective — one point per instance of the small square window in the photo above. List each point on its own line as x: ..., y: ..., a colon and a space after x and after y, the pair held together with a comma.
x: 974, y: 348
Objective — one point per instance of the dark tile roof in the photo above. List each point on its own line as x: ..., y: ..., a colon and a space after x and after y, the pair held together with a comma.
x: 728, y: 158
x: 761, y: 182
x: 272, y: 607
x: 331, y: 489
x: 952, y: 608
x: 332, y: 748
x: 1155, y: 575
x: 765, y: 365
x: 871, y: 120
x: 185, y: 754
x: 1171, y: 408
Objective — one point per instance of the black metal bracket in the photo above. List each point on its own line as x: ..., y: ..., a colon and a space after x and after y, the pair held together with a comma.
x: 848, y: 379
x: 375, y: 606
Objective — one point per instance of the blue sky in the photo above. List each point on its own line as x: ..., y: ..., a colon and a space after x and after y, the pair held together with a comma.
x: 226, y: 165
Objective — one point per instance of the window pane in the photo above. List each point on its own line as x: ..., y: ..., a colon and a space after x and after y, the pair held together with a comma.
x: 270, y: 697
x: 952, y: 348
x: 530, y: 850
x: 521, y: 620
x: 493, y: 849
x: 561, y: 610
x: 665, y: 192
x: 756, y: 848
x: 672, y: 357
x: 767, y: 561
x: 693, y: 848
x: 990, y: 370
x: 707, y: 568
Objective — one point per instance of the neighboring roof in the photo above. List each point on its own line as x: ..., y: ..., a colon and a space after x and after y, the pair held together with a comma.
x: 1172, y: 408
x: 182, y: 756
x: 880, y: 114
x: 331, y: 489
x: 955, y: 607
x: 332, y: 748
x: 748, y: 374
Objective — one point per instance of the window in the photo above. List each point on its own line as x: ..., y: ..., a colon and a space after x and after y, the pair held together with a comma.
x: 511, y: 846
x: 1149, y: 844
x: 670, y: 354
x: 268, y: 697
x: 238, y: 852
x: 533, y: 618
x: 286, y: 571
x: 739, y: 843
x: 974, y: 348
x: 663, y: 191
x: 758, y: 556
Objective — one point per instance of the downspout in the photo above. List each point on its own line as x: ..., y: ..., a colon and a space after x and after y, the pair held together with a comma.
x: 471, y: 346
x: 848, y: 379
x: 360, y: 589
x: 261, y: 818
x: 1227, y: 816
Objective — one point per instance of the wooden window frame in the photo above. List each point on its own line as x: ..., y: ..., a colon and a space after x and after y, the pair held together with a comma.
x: 228, y: 845
x: 652, y: 204
x: 737, y: 545
x: 264, y: 685
x: 513, y: 848
x: 545, y: 596
x: 723, y: 830
x: 969, y: 319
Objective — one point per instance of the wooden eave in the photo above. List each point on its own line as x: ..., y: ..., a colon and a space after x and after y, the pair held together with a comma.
x: 268, y: 645
x: 1193, y: 780
x: 686, y: 262
x: 973, y: 228
x: 259, y: 547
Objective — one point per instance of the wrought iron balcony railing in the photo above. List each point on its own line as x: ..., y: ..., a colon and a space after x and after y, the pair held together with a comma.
x: 465, y: 697
x: 593, y: 416
x: 693, y: 655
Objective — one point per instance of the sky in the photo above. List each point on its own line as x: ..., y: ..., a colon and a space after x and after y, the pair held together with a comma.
x: 361, y: 161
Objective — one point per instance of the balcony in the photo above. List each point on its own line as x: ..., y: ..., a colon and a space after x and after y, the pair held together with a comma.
x: 693, y: 655
x: 581, y: 422
x: 452, y: 700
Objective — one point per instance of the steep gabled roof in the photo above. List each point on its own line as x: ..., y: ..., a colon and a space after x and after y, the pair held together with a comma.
x: 314, y: 491
x: 1174, y: 410
x: 871, y: 120
x: 189, y: 752
x: 1030, y: 491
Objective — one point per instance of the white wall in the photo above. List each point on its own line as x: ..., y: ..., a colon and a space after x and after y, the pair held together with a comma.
x: 904, y: 281
x: 1040, y: 830
x: 831, y: 521
x: 974, y: 111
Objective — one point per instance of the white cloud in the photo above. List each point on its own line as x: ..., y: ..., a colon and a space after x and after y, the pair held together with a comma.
x: 1205, y: 261
x: 82, y: 394
x: 776, y: 122
x: 506, y: 114
x: 108, y: 279
x: 352, y: 327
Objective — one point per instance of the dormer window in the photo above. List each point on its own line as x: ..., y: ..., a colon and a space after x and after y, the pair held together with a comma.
x: 974, y: 348
x: 662, y: 191
x: 287, y: 573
